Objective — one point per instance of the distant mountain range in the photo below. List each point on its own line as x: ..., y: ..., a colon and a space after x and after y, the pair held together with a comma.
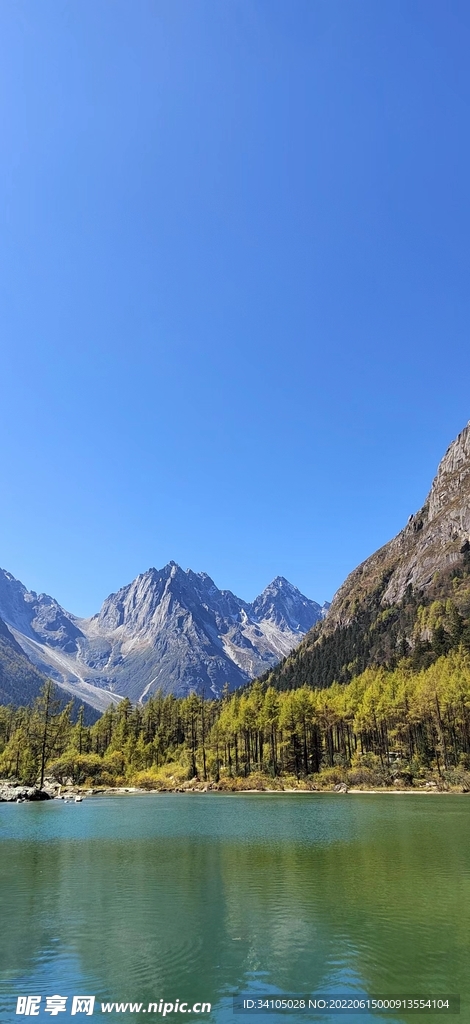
x: 169, y: 630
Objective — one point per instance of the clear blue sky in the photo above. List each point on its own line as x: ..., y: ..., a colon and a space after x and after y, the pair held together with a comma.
x: 234, y: 290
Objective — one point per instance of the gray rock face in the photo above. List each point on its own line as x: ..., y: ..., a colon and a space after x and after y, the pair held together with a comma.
x: 169, y: 629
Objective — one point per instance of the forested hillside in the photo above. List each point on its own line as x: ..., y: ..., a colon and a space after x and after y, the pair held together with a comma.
x: 20, y: 681
x: 421, y: 628
x: 397, y: 727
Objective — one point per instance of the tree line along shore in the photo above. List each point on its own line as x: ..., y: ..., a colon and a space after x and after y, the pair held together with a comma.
x: 395, y: 729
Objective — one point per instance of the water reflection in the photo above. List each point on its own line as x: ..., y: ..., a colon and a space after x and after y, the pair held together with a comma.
x: 200, y: 897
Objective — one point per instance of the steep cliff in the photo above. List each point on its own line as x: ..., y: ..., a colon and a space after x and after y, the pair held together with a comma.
x: 432, y: 544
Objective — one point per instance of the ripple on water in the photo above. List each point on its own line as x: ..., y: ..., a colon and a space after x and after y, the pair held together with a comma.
x: 205, y: 895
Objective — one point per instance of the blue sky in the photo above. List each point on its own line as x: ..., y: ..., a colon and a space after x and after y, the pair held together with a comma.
x: 234, y: 290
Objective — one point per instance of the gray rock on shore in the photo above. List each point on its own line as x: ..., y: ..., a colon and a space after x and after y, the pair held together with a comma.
x: 11, y: 794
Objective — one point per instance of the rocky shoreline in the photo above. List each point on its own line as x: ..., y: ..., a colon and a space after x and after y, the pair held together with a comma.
x: 16, y: 793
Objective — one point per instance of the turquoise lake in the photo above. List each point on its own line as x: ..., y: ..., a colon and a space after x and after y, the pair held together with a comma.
x: 199, y: 897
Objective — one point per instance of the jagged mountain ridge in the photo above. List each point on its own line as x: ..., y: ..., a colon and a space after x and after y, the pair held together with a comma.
x: 169, y: 629
x: 375, y: 615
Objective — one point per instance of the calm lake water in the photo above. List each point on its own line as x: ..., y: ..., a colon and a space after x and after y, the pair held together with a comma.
x: 198, y: 897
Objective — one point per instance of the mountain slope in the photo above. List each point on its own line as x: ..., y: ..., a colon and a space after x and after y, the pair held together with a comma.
x: 168, y: 629
x: 411, y: 598
x: 20, y: 681
x: 434, y: 540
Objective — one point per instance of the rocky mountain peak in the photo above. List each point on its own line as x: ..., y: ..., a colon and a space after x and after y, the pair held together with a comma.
x: 452, y: 481
x: 282, y: 604
x: 38, y: 616
x: 280, y: 583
